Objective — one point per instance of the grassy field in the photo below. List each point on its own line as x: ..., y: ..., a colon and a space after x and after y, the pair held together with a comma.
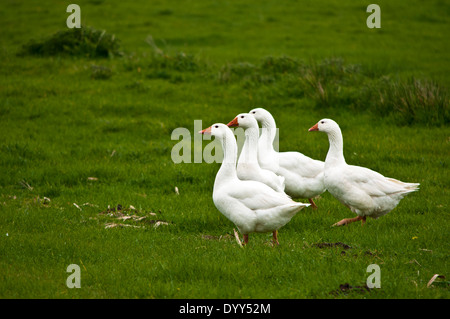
x: 83, y: 133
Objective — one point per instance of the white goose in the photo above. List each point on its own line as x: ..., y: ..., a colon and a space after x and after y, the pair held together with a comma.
x: 365, y: 192
x: 303, y: 175
x: 248, y: 167
x: 252, y: 206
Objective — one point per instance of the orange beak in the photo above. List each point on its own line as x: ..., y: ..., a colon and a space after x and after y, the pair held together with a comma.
x: 206, y: 131
x: 314, y: 128
x: 233, y: 123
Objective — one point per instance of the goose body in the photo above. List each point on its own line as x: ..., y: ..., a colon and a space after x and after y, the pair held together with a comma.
x: 303, y: 176
x: 367, y: 193
x: 248, y: 167
x: 252, y: 206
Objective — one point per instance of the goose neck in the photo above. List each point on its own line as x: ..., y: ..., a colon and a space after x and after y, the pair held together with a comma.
x: 250, y: 148
x: 336, y: 151
x: 268, y: 133
x: 228, y: 168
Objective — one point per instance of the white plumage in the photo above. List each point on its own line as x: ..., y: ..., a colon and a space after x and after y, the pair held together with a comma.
x: 303, y: 176
x: 364, y: 191
x: 248, y: 167
x: 252, y: 206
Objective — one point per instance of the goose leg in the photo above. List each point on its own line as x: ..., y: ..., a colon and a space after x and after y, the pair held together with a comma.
x: 350, y: 220
x: 275, y: 237
x: 313, y: 205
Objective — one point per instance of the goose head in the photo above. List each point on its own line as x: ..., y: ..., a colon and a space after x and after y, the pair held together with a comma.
x: 218, y: 130
x: 260, y: 114
x: 244, y: 120
x: 325, y: 125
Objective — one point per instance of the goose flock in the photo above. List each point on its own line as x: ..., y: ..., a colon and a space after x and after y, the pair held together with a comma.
x: 256, y: 191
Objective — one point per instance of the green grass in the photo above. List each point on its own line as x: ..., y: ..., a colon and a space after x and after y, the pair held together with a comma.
x: 95, y: 131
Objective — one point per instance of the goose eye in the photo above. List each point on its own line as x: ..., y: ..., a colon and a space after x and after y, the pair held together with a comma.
x: 254, y: 112
x: 217, y: 126
x: 322, y: 122
x: 242, y: 116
